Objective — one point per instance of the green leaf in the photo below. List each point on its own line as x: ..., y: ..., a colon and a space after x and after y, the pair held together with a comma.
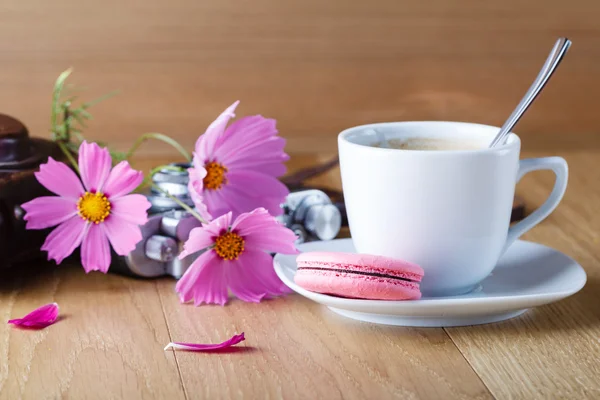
x: 60, y: 132
x: 85, y: 114
x: 79, y: 118
x: 99, y: 99
x: 58, y: 87
x: 69, y: 130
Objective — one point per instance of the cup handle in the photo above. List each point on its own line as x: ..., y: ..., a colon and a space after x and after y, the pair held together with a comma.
x: 559, y: 166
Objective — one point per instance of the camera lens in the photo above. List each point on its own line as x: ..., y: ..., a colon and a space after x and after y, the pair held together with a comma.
x: 323, y: 220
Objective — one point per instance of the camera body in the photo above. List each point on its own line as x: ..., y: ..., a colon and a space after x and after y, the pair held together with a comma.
x: 166, y: 231
x: 20, y: 158
x: 157, y: 254
x: 309, y: 213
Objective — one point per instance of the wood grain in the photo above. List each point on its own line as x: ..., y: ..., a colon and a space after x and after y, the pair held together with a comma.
x: 551, y: 351
x: 295, y: 348
x: 115, y: 327
x: 316, y: 66
x: 108, y: 343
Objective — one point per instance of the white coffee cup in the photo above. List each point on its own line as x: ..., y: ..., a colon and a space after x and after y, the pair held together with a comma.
x: 446, y: 210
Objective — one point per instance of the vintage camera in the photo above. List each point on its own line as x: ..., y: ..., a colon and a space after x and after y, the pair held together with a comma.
x: 166, y: 231
x: 20, y: 158
x: 309, y: 213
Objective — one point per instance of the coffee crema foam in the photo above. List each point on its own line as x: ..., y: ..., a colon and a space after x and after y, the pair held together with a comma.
x: 431, y: 144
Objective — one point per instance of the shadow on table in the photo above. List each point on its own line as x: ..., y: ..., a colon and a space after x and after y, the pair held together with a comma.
x: 14, y: 277
x: 41, y: 275
x: 229, y: 350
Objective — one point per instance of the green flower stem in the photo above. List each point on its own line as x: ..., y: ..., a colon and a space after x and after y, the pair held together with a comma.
x: 161, y: 137
x: 175, y: 168
x: 148, y: 178
x: 67, y: 153
x: 182, y: 204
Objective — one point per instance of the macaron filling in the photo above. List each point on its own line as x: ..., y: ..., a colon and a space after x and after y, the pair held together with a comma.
x: 349, y: 271
x: 379, y: 271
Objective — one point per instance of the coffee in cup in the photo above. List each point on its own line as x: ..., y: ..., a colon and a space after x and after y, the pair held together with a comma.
x: 434, y: 144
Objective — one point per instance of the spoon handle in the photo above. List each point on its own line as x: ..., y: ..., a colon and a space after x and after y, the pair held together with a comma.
x: 556, y: 55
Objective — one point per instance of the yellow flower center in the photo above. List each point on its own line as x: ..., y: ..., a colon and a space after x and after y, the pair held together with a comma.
x: 93, y: 207
x: 215, y: 175
x: 229, y: 246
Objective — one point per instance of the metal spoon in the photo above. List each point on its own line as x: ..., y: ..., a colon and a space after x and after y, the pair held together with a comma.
x: 556, y: 55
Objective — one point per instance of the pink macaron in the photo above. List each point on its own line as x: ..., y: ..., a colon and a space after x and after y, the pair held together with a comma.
x: 360, y: 276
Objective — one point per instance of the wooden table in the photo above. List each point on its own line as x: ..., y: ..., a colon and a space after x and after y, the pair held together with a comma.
x: 109, y: 343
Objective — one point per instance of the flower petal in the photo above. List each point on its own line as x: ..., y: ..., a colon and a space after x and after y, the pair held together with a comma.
x: 245, y: 191
x: 274, y: 168
x: 273, y: 240
x: 195, y: 188
x: 216, y: 203
x: 269, y: 149
x: 207, y: 347
x: 58, y: 178
x: 131, y: 208
x: 65, y: 238
x: 244, y: 283
x: 261, y: 266
x: 39, y: 318
x: 94, y: 165
x: 47, y: 211
x: 186, y: 283
x: 252, y: 143
x: 122, y: 180
x: 199, y: 239
x: 262, y: 231
x: 95, y: 251
x: 206, y: 143
x: 248, y: 222
x: 205, y: 281
x: 267, y: 157
x: 219, y: 225
x: 198, y: 163
x: 231, y: 199
x: 255, y: 184
x: 123, y: 235
x: 245, y: 132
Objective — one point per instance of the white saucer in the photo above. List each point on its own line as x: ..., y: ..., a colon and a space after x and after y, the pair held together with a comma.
x: 528, y: 275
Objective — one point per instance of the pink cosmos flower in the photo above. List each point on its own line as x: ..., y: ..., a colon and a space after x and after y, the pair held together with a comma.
x: 91, y: 215
x: 236, y: 258
x: 235, y: 168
